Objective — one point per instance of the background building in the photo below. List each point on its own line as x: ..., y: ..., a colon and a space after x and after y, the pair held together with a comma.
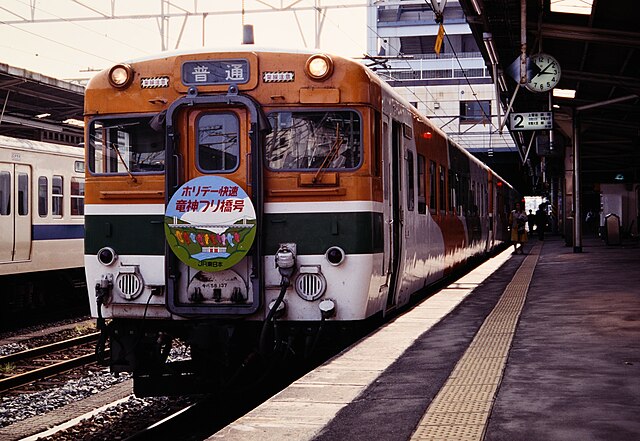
x: 454, y: 88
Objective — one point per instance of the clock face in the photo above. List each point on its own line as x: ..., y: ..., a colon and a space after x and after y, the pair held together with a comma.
x: 545, y: 73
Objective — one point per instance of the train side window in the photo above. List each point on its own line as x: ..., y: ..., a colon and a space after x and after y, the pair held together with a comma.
x: 410, y: 181
x: 57, y: 194
x: 77, y: 196
x: 377, y: 144
x: 422, y: 194
x: 442, y: 189
x: 5, y: 193
x: 453, y: 184
x: 218, y: 142
x: 432, y: 186
x: 43, y: 196
x: 23, y: 194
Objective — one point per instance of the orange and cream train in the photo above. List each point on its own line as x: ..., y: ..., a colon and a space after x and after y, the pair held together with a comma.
x: 238, y: 200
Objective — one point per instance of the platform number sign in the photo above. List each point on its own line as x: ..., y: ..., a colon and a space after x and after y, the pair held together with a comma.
x: 531, y: 121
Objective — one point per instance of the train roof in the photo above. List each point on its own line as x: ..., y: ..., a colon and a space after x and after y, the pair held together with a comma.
x: 7, y: 142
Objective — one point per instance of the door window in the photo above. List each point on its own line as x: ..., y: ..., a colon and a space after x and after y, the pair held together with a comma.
x: 218, y: 147
x: 23, y: 194
x: 5, y: 193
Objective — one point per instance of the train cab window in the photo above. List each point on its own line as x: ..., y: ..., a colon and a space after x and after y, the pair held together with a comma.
x: 57, y: 195
x: 77, y: 196
x: 5, y: 193
x: 43, y: 196
x: 310, y: 140
x: 125, y: 145
x: 410, y: 183
x: 218, y: 142
x: 422, y: 195
x: 23, y: 194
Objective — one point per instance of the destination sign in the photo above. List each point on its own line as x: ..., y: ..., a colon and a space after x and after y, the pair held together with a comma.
x: 531, y: 121
x: 208, y: 72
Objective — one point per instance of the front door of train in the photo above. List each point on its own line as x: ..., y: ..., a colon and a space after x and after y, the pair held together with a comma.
x: 15, y: 212
x: 214, y: 209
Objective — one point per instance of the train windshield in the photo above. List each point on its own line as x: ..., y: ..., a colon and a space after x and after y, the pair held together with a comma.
x: 125, y: 145
x: 307, y: 140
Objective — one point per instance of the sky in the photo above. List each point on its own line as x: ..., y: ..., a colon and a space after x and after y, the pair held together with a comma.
x: 71, y: 50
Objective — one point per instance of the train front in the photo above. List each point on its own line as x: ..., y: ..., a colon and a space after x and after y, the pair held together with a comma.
x: 224, y: 192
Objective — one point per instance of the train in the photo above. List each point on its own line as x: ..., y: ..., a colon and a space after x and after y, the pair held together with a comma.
x: 247, y: 201
x: 41, y: 229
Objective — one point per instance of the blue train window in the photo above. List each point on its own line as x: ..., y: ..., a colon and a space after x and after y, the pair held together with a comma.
x: 43, y: 196
x: 77, y: 196
x: 5, y: 193
x: 23, y: 194
x: 56, y: 195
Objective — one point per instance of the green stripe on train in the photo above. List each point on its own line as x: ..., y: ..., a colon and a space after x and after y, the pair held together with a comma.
x: 314, y: 233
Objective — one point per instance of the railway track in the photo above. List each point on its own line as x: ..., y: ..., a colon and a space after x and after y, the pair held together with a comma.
x: 24, y: 367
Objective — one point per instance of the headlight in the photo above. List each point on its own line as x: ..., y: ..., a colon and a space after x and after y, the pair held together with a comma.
x: 120, y: 76
x: 335, y: 256
x: 107, y: 256
x: 319, y: 67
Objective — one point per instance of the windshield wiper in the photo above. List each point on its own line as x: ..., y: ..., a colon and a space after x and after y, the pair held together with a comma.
x: 335, y: 147
x: 114, y: 145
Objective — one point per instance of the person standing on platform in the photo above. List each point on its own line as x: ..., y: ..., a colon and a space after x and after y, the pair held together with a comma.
x: 541, y: 221
x: 518, y: 220
x: 531, y: 221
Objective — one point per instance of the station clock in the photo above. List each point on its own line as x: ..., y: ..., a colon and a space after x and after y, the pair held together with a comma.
x: 544, y: 73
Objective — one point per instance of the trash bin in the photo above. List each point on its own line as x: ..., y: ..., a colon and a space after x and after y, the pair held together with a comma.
x: 612, y: 229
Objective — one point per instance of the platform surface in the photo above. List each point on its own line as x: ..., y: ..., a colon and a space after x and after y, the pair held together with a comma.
x: 540, y: 346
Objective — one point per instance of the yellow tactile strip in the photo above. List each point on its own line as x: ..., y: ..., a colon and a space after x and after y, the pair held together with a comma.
x: 461, y: 409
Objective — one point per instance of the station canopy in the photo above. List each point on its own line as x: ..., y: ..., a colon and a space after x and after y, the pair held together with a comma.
x: 597, y: 44
x: 40, y: 108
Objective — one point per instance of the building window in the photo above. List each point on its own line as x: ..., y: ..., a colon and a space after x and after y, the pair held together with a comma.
x: 475, y: 112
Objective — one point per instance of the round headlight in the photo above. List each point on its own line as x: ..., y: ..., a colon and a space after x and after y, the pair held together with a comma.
x: 120, y: 76
x: 335, y: 255
x: 319, y: 66
x: 107, y: 256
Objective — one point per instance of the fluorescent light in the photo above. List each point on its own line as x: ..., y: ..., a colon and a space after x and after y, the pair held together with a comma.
x: 43, y: 115
x: 502, y: 83
x: 583, y: 7
x: 555, y: 106
x: 564, y: 93
x: 476, y: 6
x: 488, y: 43
x: 74, y: 122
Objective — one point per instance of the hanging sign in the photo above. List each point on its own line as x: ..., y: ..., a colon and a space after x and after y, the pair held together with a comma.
x: 210, y: 223
x: 531, y: 121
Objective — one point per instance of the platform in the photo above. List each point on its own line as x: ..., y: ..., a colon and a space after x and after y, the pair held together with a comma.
x: 540, y: 346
